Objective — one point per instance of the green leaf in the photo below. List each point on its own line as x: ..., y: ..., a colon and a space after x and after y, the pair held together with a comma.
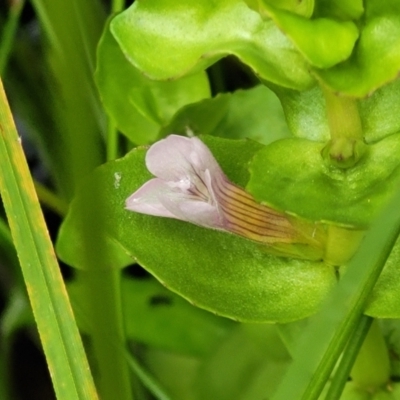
x: 248, y: 365
x: 376, y: 57
x: 323, y: 42
x: 304, y: 8
x: 149, y: 308
x: 218, y: 271
x: 167, y: 40
x: 385, y: 300
x: 138, y: 105
x: 291, y: 175
x: 341, y: 9
x: 255, y: 114
x: 306, y: 112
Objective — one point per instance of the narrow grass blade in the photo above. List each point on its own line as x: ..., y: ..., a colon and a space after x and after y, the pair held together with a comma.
x: 53, y: 314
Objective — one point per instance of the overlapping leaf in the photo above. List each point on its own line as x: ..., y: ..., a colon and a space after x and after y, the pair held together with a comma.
x: 376, y: 57
x: 305, y: 185
x: 138, y: 105
x: 323, y: 42
x: 189, y: 37
x: 254, y: 114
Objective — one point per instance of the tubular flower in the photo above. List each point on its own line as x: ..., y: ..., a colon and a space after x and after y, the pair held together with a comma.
x: 189, y: 185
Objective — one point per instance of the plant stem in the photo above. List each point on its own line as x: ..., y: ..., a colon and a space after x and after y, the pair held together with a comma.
x: 347, y: 144
x: 103, y: 295
x: 9, y: 31
x: 372, y: 367
x: 112, y: 131
x: 353, y: 347
x: 117, y: 5
x: 51, y: 200
x: 112, y: 141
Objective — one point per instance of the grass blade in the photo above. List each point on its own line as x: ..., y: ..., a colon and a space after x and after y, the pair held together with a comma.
x: 53, y: 314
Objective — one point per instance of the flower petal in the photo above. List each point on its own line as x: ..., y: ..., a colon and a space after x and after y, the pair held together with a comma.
x: 146, y: 200
x: 178, y: 158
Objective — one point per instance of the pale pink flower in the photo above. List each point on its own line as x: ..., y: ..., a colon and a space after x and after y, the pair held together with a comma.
x: 189, y: 185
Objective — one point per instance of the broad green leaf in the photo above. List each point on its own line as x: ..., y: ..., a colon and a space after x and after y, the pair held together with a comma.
x: 218, y: 271
x: 306, y: 112
x: 341, y: 9
x: 149, y: 309
x: 255, y: 114
x: 167, y: 40
x: 376, y: 57
x: 138, y: 105
x: 291, y: 175
x: 323, y: 42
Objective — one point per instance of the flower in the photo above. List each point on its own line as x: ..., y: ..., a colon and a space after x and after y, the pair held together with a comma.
x: 189, y: 185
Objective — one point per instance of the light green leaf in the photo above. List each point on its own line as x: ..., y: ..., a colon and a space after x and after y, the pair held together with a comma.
x: 323, y: 42
x: 291, y: 175
x: 188, y: 37
x: 139, y: 106
x: 376, y: 57
x: 255, y: 114
x: 305, y: 112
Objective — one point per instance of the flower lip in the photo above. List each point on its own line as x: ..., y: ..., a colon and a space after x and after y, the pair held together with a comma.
x: 189, y: 185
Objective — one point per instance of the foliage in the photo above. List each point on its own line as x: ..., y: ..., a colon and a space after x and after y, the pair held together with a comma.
x: 309, y: 131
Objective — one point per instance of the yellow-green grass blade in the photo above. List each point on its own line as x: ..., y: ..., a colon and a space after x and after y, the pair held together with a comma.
x: 60, y: 338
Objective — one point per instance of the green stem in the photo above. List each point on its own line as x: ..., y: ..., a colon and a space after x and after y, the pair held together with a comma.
x: 112, y: 131
x: 50, y: 199
x: 372, y: 367
x: 112, y: 141
x: 147, y: 379
x: 117, y: 5
x: 103, y: 295
x: 347, y: 143
x: 9, y: 31
x: 353, y: 347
